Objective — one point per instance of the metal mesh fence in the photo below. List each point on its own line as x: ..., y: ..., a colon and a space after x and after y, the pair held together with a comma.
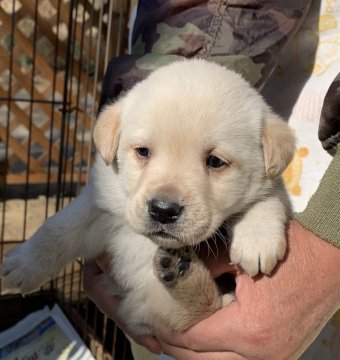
x: 53, y: 54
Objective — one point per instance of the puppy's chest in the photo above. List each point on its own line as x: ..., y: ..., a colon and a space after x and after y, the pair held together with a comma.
x: 132, y: 256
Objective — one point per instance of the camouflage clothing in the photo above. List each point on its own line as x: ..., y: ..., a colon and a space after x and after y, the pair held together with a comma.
x: 246, y: 35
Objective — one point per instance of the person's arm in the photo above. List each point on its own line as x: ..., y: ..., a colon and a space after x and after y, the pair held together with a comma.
x: 96, y: 290
x: 322, y: 214
x: 274, y: 317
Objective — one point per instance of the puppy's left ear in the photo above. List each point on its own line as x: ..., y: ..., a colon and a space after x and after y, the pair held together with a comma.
x: 107, y: 130
x: 278, y: 145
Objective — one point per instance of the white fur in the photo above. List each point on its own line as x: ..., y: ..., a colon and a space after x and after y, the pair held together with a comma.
x: 182, y: 112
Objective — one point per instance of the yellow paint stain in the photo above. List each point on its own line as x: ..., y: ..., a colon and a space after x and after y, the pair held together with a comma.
x: 303, y: 152
x: 327, y: 22
x: 292, y: 175
x: 327, y: 54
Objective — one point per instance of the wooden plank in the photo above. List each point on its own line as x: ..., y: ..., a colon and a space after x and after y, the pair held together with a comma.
x: 19, y: 150
x: 42, y: 177
x: 64, y: 16
x: 45, y: 27
x: 37, y: 134
x: 25, y: 82
x: 40, y: 61
x: 26, y: 45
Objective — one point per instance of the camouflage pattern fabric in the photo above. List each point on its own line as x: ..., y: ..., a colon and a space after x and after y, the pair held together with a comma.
x: 329, y: 127
x: 246, y: 35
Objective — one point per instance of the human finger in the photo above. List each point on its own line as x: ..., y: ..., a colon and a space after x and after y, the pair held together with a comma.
x: 188, y: 354
x: 104, y: 261
x: 96, y: 290
x: 108, y: 304
x: 225, y: 330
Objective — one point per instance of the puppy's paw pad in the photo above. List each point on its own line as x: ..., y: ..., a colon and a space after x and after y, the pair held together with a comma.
x: 171, y: 265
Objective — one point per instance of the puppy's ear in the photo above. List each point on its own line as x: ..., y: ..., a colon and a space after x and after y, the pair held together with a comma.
x: 107, y: 130
x: 278, y: 145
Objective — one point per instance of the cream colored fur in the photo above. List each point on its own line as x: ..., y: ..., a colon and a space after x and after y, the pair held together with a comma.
x: 183, y: 113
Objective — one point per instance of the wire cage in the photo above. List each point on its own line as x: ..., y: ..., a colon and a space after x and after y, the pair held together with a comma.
x: 53, y: 54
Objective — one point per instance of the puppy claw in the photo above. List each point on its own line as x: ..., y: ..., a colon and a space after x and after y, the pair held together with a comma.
x: 19, y: 273
x: 267, y: 264
x: 168, y: 276
x: 260, y: 258
x: 183, y: 267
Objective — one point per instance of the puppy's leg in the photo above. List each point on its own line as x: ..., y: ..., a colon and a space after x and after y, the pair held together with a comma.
x: 259, y: 237
x: 60, y: 240
x: 194, y: 293
x: 177, y: 293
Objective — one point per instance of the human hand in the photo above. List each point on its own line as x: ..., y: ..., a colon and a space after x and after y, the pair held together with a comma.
x: 274, y: 317
x: 95, y: 289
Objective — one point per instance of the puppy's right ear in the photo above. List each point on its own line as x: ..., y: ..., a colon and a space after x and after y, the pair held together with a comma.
x: 107, y: 130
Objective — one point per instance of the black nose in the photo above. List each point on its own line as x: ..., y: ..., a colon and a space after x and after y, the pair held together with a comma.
x: 164, y: 211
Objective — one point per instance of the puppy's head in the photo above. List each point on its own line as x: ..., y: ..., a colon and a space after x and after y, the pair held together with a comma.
x: 194, y: 145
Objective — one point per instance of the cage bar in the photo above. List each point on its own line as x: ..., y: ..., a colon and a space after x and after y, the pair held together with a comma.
x: 53, y: 54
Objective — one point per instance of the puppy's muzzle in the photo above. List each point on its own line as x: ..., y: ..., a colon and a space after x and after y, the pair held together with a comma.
x: 164, y: 211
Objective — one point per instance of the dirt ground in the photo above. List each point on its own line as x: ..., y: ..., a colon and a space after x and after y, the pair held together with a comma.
x: 15, y: 230
x: 22, y: 218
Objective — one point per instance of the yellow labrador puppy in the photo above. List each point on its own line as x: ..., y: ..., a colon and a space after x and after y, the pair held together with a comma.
x: 187, y: 150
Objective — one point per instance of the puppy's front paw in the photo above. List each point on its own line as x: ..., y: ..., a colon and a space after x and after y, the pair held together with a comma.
x: 257, y: 250
x: 19, y: 273
x: 171, y: 265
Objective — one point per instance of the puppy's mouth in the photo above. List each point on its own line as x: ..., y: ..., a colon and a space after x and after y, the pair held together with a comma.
x: 166, y: 239
x: 164, y: 234
x: 169, y: 240
x: 184, y: 232
x: 174, y: 239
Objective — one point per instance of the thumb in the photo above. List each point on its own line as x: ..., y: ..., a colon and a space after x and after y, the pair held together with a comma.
x: 217, y: 333
x: 222, y: 331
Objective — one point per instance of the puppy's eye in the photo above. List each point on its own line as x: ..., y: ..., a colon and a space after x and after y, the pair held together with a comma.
x: 214, y: 162
x: 143, y: 152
